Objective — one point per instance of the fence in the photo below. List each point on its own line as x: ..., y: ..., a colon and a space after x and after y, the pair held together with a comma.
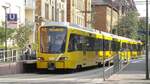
x: 13, y: 55
x: 114, y: 64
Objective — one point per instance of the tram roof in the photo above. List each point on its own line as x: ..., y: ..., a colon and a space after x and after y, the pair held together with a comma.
x: 70, y: 25
x: 106, y: 35
x: 47, y: 23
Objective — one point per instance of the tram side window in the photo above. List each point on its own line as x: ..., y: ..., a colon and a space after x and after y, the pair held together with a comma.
x: 113, y: 46
x: 106, y: 45
x: 73, y: 42
x: 118, y: 46
x: 129, y: 47
x: 90, y: 44
x: 101, y: 44
x: 123, y: 46
x: 139, y: 47
x: 98, y: 44
x: 134, y: 47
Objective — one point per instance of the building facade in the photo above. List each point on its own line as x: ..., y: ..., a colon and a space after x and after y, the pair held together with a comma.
x: 38, y: 11
x: 106, y: 13
x: 79, y: 12
x: 29, y: 12
x: 51, y: 10
x: 105, y: 18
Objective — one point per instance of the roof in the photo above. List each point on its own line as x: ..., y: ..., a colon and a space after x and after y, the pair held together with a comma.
x: 98, y: 2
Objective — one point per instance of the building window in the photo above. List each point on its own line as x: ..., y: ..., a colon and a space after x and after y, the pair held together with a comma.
x: 62, y: 15
x: 46, y: 11
x: 49, y: 1
x: 53, y: 13
x: 62, y: 0
x: 73, y: 2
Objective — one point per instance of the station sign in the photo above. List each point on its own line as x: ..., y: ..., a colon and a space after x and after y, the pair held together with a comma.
x: 12, y: 20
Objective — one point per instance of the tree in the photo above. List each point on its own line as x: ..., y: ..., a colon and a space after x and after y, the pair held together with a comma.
x: 9, y: 34
x: 142, y: 28
x: 128, y: 25
x: 22, y: 36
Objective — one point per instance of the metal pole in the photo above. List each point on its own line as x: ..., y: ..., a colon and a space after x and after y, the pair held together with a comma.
x: 56, y: 11
x: 111, y: 17
x: 34, y: 24
x: 85, y: 17
x: 5, y: 8
x: 103, y: 61
x: 147, y: 44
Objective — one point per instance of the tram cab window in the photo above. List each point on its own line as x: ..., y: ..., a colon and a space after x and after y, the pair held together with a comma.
x: 52, y: 39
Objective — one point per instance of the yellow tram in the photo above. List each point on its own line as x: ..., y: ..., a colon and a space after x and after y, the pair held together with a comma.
x: 62, y: 46
x: 66, y: 46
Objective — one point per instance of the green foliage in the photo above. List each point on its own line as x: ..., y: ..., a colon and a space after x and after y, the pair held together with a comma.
x: 34, y: 46
x: 9, y: 34
x: 22, y: 36
x: 142, y: 29
x: 128, y: 25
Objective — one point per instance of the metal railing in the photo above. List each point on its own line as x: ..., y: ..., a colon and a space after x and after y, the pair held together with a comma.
x: 13, y: 55
x: 114, y: 64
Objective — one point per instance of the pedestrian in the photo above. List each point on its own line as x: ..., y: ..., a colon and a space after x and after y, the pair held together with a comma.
x: 28, y: 52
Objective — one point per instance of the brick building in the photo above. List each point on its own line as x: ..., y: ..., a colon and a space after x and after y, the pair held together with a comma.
x: 106, y: 13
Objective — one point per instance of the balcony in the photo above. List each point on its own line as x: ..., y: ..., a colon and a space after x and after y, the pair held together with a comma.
x: 29, y: 4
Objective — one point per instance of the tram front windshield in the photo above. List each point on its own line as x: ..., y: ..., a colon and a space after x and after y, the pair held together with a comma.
x: 52, y: 39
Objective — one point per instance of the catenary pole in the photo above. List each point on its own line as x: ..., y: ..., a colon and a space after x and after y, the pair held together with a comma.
x: 147, y: 44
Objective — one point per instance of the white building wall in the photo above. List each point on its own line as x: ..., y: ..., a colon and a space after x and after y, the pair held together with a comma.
x: 58, y: 7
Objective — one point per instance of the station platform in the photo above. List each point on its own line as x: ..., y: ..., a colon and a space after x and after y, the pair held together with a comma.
x: 17, y: 67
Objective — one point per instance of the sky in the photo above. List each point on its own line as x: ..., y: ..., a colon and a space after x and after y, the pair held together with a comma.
x: 13, y: 8
x: 141, y: 7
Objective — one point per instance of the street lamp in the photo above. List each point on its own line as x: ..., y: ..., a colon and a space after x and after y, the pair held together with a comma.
x: 5, y: 8
x: 9, y: 5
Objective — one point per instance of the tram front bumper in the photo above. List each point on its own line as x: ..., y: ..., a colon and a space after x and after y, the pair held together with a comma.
x: 50, y: 65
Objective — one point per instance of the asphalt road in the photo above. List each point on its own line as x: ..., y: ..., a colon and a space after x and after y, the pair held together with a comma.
x: 90, y: 76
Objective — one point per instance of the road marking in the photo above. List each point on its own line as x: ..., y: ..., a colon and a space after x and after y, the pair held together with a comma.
x: 135, y: 61
x: 94, y: 80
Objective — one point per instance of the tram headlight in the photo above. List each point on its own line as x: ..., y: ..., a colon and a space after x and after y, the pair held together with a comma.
x: 40, y: 59
x: 63, y: 58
